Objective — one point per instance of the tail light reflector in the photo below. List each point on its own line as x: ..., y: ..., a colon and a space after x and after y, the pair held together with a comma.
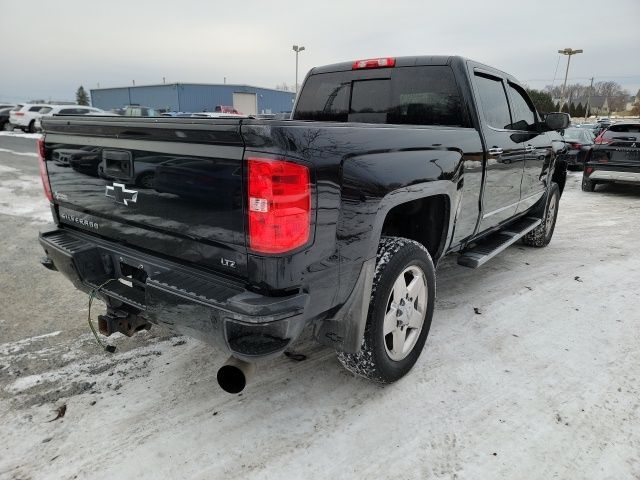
x: 43, y: 170
x: 374, y: 63
x: 279, y: 205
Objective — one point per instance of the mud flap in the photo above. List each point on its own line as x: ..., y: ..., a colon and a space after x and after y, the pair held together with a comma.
x: 345, y: 330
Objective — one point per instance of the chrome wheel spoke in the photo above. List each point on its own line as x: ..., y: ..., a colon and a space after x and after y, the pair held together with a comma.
x: 399, y: 336
x: 399, y: 289
x: 390, y: 321
x: 416, y: 287
x: 415, y: 320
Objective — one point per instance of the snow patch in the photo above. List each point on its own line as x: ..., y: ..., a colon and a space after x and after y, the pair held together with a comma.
x: 13, y: 152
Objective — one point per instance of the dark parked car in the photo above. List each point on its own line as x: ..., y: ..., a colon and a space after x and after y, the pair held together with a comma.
x: 615, y: 158
x: 4, y: 118
x: 579, y: 142
x: 333, y: 220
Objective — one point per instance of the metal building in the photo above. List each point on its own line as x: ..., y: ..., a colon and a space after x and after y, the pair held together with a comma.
x: 195, y: 97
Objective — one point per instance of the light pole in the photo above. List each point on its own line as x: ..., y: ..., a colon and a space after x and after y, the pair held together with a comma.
x: 297, y: 49
x: 568, y: 52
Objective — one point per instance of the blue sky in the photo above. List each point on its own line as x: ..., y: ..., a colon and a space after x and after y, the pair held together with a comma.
x: 67, y: 43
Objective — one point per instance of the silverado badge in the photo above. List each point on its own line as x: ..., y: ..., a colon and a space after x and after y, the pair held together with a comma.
x: 121, y: 193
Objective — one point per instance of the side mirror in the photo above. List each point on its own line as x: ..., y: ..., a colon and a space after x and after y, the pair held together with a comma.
x: 557, y: 121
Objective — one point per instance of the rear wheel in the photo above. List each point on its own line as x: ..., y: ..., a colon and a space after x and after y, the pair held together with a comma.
x: 588, y: 185
x: 32, y: 126
x: 541, y: 235
x: 400, y: 312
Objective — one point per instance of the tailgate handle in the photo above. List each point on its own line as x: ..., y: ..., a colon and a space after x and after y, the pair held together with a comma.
x: 117, y: 164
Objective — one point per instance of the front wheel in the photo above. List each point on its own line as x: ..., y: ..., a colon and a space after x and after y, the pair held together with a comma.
x: 541, y: 235
x: 400, y: 312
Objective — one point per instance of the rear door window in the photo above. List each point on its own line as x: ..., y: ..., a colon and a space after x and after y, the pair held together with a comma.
x: 406, y: 95
x: 493, y: 100
x: 35, y: 109
x: 45, y: 110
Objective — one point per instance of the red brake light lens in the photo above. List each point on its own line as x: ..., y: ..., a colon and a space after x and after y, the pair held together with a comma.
x: 279, y: 205
x: 385, y: 62
x: 575, y: 145
x: 43, y: 170
x: 601, y: 140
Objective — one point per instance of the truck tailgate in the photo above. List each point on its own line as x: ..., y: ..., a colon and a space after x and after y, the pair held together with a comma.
x: 172, y: 186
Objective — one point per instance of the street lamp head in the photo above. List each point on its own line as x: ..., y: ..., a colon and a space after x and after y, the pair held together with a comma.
x: 295, y: 48
x: 569, y: 51
x: 300, y: 49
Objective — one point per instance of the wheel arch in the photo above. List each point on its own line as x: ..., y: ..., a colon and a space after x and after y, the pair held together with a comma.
x: 434, y: 200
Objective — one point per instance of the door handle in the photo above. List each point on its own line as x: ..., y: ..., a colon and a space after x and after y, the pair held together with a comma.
x: 495, y: 151
x: 529, y: 148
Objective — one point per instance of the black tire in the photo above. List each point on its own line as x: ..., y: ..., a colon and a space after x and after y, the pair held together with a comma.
x: 146, y: 180
x: 541, y: 235
x: 587, y: 185
x: 32, y: 127
x: 395, y: 256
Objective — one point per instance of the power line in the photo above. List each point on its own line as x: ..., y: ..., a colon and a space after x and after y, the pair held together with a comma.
x: 581, y: 78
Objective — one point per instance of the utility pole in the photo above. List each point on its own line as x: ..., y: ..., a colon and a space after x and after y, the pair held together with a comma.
x: 568, y: 52
x: 163, y: 80
x: 587, y: 112
x: 297, y: 49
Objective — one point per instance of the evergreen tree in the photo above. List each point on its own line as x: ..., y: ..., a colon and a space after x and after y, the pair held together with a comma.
x: 541, y: 100
x: 565, y: 108
x: 81, y: 96
x: 580, y: 110
x: 572, y: 110
x: 557, y: 107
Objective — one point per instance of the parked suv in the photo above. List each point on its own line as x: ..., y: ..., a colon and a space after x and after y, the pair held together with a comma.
x: 615, y: 158
x: 24, y: 116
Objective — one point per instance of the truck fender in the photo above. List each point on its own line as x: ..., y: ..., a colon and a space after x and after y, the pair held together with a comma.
x: 344, y: 330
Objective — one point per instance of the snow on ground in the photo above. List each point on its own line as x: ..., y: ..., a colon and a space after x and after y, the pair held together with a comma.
x: 22, y: 195
x: 542, y: 383
x: 20, y: 134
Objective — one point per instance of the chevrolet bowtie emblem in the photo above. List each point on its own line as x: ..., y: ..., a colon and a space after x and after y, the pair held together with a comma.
x: 121, y: 193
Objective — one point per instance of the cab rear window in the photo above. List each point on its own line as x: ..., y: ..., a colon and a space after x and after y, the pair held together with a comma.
x: 408, y: 95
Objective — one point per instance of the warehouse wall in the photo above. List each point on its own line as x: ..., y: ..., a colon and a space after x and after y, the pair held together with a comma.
x: 190, y: 97
x: 107, y: 98
x: 158, y: 96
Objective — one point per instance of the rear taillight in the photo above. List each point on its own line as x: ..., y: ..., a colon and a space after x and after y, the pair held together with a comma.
x: 575, y: 145
x: 279, y: 205
x: 43, y: 170
x: 19, y: 114
x: 601, y: 140
x: 588, y: 170
x: 374, y: 63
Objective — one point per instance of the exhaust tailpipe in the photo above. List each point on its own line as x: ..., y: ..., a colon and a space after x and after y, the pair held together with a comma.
x: 234, y: 375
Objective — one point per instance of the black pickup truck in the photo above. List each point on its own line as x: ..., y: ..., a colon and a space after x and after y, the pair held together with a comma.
x: 251, y: 230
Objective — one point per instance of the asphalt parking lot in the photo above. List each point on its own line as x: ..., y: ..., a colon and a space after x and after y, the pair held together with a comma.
x: 541, y: 382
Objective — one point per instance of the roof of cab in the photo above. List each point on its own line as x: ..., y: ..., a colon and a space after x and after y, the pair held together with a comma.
x: 418, y: 60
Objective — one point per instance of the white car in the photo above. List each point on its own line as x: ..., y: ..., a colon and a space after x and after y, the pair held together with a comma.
x: 50, y: 110
x: 24, y: 115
